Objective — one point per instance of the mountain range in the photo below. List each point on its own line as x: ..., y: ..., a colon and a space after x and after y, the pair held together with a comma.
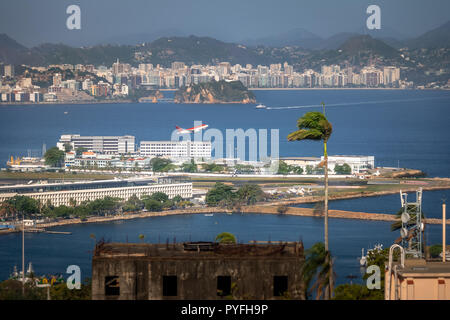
x: 290, y: 46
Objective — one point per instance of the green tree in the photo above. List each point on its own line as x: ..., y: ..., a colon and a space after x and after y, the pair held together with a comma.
x: 283, y: 168
x: 54, y: 157
x: 159, y: 196
x: 12, y: 290
x: 435, y: 250
x: 226, y: 238
x: 315, y: 126
x: 297, y: 170
x: 133, y: 204
x: 189, y: 166
x: 212, y: 167
x: 219, y: 194
x: 160, y: 164
x: 353, y: 292
x: 319, y: 266
x: 153, y: 205
x: 23, y: 205
x: 177, y: 199
x: 60, y: 291
x: 250, y: 193
x: 342, y: 169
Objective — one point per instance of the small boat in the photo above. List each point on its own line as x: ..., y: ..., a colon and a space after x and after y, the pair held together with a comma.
x: 363, y: 259
x: 209, y: 214
x: 261, y: 106
x: 66, y: 112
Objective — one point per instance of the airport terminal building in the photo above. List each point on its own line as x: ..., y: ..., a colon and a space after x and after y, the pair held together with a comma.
x: 61, y: 193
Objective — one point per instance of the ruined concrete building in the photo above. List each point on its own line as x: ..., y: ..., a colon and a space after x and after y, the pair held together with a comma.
x: 198, y: 270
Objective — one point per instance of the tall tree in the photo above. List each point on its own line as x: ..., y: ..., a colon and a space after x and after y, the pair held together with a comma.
x: 315, y: 126
x: 318, y: 266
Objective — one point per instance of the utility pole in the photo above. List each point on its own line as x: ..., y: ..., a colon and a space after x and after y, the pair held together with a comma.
x: 23, y: 256
x: 444, y: 224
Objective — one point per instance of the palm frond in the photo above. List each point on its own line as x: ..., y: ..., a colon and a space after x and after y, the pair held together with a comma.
x: 302, y: 134
x: 312, y: 126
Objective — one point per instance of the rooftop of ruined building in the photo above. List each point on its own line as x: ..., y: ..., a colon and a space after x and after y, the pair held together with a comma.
x: 192, y: 250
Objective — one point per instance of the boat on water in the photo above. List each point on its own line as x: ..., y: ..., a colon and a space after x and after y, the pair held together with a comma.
x: 260, y: 106
x: 209, y: 214
x: 363, y: 259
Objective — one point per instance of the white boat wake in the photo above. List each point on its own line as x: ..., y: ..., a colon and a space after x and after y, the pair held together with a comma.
x: 349, y: 103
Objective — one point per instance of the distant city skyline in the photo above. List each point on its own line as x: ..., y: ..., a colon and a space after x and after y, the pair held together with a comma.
x: 107, y: 21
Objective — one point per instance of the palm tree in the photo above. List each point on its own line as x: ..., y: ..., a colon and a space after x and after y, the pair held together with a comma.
x: 315, y: 126
x: 319, y: 264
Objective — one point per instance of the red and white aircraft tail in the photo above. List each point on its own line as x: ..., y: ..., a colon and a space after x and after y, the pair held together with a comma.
x: 193, y: 129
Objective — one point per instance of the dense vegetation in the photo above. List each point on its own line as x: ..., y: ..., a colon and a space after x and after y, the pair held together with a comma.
x: 12, y: 290
x: 284, y: 168
x: 54, y: 157
x: 225, y: 196
x: 31, y: 208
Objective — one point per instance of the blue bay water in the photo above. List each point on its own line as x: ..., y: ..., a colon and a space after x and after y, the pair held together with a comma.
x: 404, y: 127
x: 409, y: 127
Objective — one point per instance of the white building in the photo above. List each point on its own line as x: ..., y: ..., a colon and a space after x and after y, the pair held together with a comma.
x: 176, y: 149
x: 358, y: 164
x: 61, y: 193
x: 102, y: 144
x: 302, y: 162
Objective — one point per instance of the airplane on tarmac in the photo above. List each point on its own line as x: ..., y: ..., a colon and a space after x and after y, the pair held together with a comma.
x: 193, y: 129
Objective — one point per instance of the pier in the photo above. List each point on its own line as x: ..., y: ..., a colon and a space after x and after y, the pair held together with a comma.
x: 41, y: 230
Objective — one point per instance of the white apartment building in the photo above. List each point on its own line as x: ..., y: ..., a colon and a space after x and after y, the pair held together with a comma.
x: 176, y: 149
x: 102, y: 144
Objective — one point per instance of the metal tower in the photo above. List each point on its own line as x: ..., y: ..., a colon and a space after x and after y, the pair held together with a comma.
x: 412, y: 225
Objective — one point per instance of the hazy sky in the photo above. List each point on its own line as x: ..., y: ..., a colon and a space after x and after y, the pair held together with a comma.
x: 32, y: 22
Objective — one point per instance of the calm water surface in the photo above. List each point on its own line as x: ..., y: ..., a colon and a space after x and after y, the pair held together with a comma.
x: 403, y: 127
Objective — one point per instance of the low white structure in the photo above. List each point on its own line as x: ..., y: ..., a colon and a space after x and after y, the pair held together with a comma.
x: 301, y: 161
x: 176, y: 149
x: 358, y: 164
x: 91, y: 190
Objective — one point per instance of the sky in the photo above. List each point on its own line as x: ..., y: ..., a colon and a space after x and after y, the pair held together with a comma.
x: 32, y: 22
